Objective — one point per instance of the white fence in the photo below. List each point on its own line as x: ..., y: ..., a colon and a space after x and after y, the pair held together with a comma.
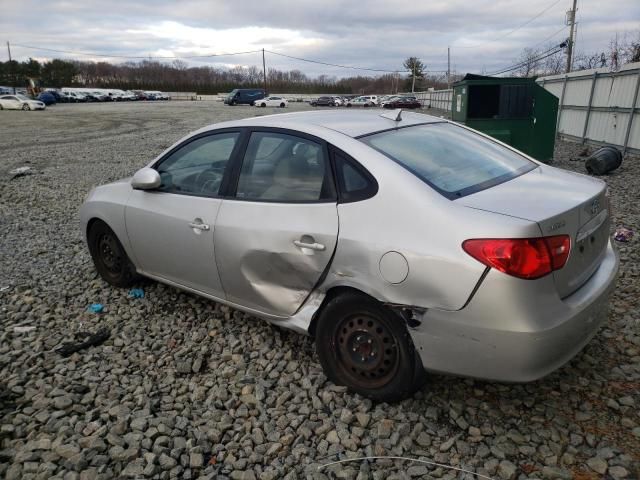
x: 598, y: 106
x: 440, y: 99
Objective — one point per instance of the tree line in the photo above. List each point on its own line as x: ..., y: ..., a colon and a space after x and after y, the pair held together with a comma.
x: 178, y: 76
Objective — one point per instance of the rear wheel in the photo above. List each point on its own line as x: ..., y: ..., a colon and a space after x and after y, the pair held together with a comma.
x: 263, y: 105
x: 282, y: 105
x: 109, y: 256
x: 366, y: 346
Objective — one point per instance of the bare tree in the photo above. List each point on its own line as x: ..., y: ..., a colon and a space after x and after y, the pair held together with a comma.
x: 528, y: 62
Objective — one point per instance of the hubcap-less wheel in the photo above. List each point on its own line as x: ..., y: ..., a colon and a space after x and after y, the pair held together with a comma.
x: 367, y: 351
x: 109, y: 256
x: 282, y: 105
x: 110, y: 253
x: 366, y: 346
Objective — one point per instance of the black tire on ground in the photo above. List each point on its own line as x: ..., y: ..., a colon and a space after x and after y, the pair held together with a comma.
x: 26, y: 107
x: 282, y: 105
x: 349, y: 105
x: 366, y: 346
x: 263, y: 105
x: 314, y: 104
x: 366, y: 105
x: 1, y: 108
x: 109, y: 257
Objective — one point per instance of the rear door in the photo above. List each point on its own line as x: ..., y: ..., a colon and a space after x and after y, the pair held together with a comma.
x: 277, y: 233
x: 171, y: 228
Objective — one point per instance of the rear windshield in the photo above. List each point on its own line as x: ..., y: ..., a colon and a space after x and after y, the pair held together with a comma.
x: 454, y: 161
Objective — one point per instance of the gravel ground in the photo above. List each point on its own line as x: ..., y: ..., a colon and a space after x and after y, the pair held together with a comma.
x: 186, y: 388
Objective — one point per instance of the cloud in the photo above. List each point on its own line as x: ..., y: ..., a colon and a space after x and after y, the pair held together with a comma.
x: 376, y: 33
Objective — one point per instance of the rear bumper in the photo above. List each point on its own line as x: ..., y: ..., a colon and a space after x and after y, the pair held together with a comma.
x: 515, y: 332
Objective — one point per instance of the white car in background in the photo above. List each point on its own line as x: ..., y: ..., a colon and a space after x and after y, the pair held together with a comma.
x: 338, y: 101
x: 271, y: 102
x: 20, y: 102
x: 361, y: 102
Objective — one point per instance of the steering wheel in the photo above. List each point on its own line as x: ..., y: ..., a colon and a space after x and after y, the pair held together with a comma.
x: 208, y: 181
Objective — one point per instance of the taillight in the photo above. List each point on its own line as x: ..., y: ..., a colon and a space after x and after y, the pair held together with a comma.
x: 527, y: 258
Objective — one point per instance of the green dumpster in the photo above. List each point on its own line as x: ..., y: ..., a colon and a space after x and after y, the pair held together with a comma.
x: 516, y: 111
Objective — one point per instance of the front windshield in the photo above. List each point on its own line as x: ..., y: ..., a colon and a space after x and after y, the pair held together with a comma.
x: 233, y: 93
x: 19, y: 96
x: 453, y: 160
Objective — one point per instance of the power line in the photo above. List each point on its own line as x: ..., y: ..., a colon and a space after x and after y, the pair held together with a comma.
x: 107, y: 55
x: 515, y: 29
x: 564, y: 27
x: 336, y: 65
x: 542, y: 56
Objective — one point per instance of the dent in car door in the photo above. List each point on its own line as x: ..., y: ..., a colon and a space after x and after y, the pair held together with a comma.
x: 276, y: 238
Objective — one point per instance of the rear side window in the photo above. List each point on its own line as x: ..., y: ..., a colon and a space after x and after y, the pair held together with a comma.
x: 454, y: 161
x: 354, y: 182
x: 285, y: 168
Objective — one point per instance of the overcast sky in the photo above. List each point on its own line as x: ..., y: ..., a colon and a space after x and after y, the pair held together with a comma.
x: 378, y: 34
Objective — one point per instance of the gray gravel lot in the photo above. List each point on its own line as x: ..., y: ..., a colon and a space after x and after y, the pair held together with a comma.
x: 186, y: 388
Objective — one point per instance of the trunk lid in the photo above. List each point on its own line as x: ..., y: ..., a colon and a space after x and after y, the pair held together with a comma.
x: 562, y: 203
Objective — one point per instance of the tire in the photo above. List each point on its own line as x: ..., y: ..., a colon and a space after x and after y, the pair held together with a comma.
x: 26, y: 107
x: 366, y: 346
x: 263, y: 105
x: 313, y: 104
x: 348, y: 105
x: 282, y: 105
x: 366, y: 105
x: 1, y: 107
x: 109, y: 257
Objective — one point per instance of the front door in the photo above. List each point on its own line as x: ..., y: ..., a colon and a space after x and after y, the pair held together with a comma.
x: 171, y: 229
x: 276, y: 237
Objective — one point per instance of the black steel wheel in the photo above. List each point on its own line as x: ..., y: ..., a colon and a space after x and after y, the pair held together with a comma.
x: 366, y: 346
x: 282, y: 105
x: 109, y: 257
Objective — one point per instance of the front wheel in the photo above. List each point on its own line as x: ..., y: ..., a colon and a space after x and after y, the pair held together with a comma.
x: 26, y: 107
x: 282, y: 105
x: 366, y: 346
x: 109, y: 257
x: 263, y: 105
x: 348, y: 105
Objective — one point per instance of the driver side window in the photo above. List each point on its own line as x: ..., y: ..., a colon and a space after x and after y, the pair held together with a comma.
x: 197, y: 168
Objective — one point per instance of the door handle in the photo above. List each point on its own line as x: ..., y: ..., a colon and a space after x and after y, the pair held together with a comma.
x: 199, y: 226
x: 311, y: 246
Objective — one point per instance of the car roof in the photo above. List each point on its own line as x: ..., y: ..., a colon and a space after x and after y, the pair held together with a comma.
x: 352, y: 124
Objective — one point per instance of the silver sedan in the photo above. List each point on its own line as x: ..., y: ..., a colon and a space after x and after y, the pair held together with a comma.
x: 402, y: 242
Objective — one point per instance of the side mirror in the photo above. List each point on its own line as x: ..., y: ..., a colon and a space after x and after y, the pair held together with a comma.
x: 146, y: 179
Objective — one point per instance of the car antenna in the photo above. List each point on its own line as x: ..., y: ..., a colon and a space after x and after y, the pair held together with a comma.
x: 396, y: 115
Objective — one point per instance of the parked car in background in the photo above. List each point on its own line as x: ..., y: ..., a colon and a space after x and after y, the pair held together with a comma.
x: 338, y: 101
x: 323, y: 102
x: 74, y: 97
x: 47, y: 98
x: 60, y: 98
x: 271, y: 102
x: 244, y: 96
x: 20, y: 102
x: 489, y: 265
x: 403, y: 102
x: 361, y: 102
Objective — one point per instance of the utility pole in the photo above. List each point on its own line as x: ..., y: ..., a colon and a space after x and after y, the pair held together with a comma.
x: 413, y: 82
x: 13, y: 78
x: 571, y: 20
x: 448, y: 67
x: 264, y: 72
